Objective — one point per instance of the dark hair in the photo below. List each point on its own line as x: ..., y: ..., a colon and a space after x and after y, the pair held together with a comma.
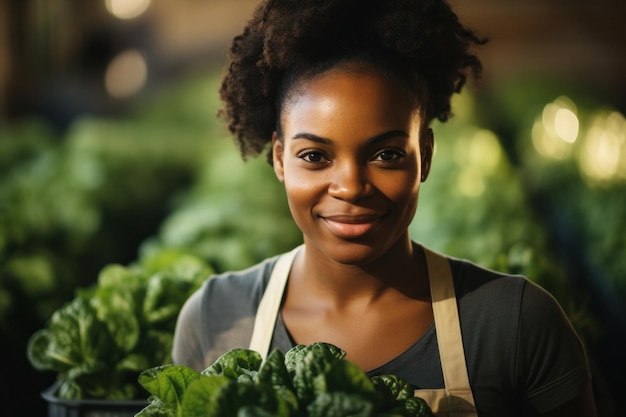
x: 420, y: 42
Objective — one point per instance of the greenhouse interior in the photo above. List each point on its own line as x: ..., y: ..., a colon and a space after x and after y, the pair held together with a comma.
x: 121, y: 185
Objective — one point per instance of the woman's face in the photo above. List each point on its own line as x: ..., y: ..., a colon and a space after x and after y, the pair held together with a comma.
x: 351, y: 162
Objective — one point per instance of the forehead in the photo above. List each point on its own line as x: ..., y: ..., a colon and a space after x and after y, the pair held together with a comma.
x: 352, y: 95
x: 355, y: 70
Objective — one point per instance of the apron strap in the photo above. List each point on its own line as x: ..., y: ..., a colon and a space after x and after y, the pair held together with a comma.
x: 267, y: 312
x: 459, y: 395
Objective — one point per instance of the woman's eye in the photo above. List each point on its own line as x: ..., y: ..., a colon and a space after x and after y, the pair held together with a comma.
x: 313, y: 157
x: 388, y: 155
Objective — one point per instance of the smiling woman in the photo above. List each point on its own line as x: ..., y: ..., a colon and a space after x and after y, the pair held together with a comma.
x: 350, y: 157
x: 341, y: 95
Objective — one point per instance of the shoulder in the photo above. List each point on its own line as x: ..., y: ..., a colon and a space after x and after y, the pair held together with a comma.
x: 505, y: 298
x: 494, y: 289
x: 228, y: 295
x: 219, y: 315
x: 515, y: 293
x: 238, y: 286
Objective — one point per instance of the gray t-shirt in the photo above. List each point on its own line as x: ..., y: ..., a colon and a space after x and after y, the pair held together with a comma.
x: 522, y: 354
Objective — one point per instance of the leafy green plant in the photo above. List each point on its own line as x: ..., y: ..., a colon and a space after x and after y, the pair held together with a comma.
x: 235, y: 214
x: 308, y: 380
x: 99, y: 342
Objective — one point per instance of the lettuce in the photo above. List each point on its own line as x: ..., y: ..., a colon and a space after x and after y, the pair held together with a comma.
x: 99, y: 342
x: 307, y: 381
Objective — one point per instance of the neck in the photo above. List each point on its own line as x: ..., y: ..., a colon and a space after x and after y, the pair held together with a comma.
x: 401, y: 269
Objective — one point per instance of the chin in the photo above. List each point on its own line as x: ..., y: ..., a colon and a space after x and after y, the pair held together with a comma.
x: 352, y: 252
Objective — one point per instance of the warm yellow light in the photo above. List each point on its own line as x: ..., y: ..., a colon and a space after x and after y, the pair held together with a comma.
x: 547, y: 144
x: 566, y: 125
x: 547, y: 117
x: 557, y: 130
x: 126, y: 74
x: 600, y: 155
x: 616, y: 123
x: 127, y: 9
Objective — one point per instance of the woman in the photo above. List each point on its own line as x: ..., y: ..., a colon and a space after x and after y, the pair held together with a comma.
x: 342, y: 94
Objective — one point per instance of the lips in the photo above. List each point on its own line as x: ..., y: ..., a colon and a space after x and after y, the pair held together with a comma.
x: 351, y: 226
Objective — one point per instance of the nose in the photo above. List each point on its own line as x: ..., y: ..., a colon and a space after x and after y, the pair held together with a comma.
x: 349, y: 182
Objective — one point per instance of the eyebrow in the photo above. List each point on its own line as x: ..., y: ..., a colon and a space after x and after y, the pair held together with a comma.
x: 378, y: 138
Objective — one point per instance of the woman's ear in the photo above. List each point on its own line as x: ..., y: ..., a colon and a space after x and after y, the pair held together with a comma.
x: 427, y: 146
x: 277, y: 157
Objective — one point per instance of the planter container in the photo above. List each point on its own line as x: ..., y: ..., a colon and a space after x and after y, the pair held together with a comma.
x: 59, y: 407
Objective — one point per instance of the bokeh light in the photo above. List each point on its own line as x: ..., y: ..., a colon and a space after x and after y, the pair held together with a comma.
x: 126, y: 74
x: 602, y: 156
x: 557, y: 130
x: 127, y: 9
x: 566, y: 125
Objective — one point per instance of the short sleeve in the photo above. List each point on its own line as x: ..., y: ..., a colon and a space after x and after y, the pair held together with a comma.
x: 187, y: 348
x: 219, y: 316
x: 551, y: 360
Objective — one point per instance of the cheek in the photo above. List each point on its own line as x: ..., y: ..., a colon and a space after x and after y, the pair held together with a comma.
x: 405, y: 194
x: 405, y: 200
x: 302, y: 203
x: 297, y: 191
x: 302, y: 190
x: 401, y: 185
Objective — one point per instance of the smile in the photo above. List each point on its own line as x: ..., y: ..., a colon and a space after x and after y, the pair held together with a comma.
x: 350, y: 227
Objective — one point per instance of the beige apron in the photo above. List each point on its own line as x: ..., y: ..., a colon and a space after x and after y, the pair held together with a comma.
x: 456, y: 399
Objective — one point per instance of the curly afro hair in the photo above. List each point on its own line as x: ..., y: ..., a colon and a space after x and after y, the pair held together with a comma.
x: 421, y: 42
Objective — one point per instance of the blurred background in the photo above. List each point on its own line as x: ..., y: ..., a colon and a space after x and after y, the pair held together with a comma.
x: 110, y: 151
